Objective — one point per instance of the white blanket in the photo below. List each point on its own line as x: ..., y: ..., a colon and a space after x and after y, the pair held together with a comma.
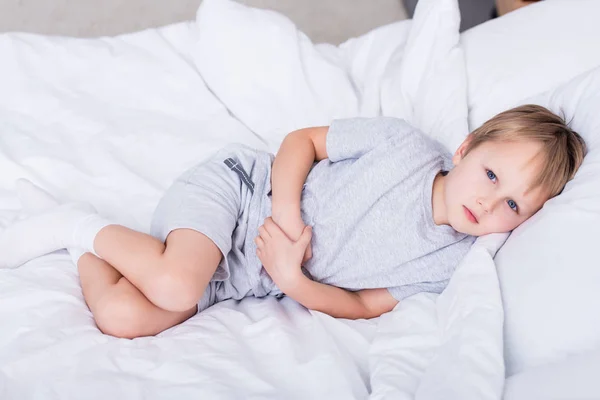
x: 113, y: 120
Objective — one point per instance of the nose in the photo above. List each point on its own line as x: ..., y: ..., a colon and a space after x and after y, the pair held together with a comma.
x: 483, y: 204
x: 487, y: 204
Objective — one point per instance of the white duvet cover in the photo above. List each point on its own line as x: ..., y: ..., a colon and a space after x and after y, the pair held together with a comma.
x: 113, y: 120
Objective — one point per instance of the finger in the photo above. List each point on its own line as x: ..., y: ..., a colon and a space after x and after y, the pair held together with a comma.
x: 304, y: 239
x: 263, y: 232
x: 272, y: 228
x: 259, y: 242
x: 269, y: 224
x: 307, y: 233
x: 307, y: 255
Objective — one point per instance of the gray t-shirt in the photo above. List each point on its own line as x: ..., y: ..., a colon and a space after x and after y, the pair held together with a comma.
x: 370, y: 207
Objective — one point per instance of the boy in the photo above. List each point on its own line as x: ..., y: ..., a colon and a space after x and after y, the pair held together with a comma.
x: 380, y: 217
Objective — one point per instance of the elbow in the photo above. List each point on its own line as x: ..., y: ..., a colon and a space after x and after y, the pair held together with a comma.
x: 375, y: 304
x: 369, y: 313
x: 359, y: 314
x: 316, y: 136
x: 362, y: 310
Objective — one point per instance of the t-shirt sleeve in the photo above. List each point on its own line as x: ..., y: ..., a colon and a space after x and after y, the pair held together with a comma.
x: 354, y: 137
x: 401, y: 292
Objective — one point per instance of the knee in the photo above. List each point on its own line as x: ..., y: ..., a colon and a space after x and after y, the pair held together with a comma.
x: 173, y: 292
x: 121, y: 318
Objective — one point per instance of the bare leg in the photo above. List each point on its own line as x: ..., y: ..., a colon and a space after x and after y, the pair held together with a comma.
x: 172, y: 276
x: 119, y: 308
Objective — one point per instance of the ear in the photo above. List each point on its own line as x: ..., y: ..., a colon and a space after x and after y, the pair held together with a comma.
x: 459, y: 153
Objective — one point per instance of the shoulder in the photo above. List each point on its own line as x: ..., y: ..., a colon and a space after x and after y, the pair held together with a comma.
x: 414, y: 140
x: 372, y: 123
x: 455, y: 247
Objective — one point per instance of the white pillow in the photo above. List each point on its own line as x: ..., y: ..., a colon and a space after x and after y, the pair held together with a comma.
x: 448, y: 346
x: 573, y: 378
x: 527, y: 52
x: 266, y: 72
x: 274, y: 80
x: 549, y: 268
x: 426, y: 82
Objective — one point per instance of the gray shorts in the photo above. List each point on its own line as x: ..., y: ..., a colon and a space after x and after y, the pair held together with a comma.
x: 215, y: 199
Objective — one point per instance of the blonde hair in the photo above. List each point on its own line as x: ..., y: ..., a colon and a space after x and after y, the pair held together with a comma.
x: 563, y: 149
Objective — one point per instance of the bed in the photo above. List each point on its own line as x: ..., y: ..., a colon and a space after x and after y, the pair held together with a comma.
x: 113, y: 120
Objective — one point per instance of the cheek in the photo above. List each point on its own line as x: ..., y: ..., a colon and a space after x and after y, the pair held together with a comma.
x: 506, y: 221
x: 472, y: 174
x: 465, y: 185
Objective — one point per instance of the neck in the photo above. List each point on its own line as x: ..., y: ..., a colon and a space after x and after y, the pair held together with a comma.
x: 438, y: 203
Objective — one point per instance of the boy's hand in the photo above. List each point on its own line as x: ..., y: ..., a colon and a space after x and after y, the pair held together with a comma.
x: 292, y: 225
x: 281, y: 256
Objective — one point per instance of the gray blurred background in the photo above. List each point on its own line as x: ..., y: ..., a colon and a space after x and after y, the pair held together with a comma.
x: 323, y: 20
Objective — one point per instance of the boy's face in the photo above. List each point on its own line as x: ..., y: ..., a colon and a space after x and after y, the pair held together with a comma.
x: 488, y: 190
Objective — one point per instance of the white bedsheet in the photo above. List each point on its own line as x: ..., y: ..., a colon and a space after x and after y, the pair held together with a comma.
x: 112, y: 121
x: 51, y: 349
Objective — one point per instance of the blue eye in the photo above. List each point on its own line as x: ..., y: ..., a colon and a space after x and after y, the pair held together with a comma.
x: 491, y: 175
x: 512, y: 205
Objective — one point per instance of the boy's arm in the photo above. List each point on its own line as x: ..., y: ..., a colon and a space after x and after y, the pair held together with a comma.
x: 298, y: 151
x: 281, y: 258
x: 341, y: 303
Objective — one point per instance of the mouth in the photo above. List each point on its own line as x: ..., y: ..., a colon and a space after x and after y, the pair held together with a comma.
x: 470, y: 216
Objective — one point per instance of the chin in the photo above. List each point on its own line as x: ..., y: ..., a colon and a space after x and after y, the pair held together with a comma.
x: 460, y: 226
x: 466, y: 227
x: 471, y: 232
